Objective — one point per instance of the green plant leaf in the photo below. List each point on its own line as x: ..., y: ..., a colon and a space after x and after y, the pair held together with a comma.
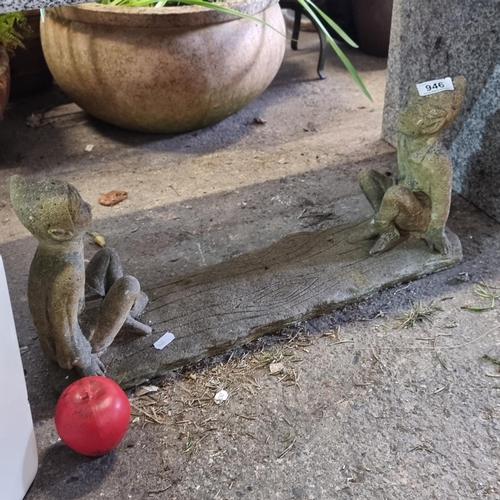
x: 12, y: 29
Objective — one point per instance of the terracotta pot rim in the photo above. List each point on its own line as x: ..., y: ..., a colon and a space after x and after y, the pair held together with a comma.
x: 4, y: 60
x: 4, y: 79
x: 152, y: 17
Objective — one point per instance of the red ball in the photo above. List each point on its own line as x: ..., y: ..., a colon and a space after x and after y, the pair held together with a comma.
x: 92, y: 415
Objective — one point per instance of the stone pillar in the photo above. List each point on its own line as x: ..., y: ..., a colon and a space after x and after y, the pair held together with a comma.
x: 433, y: 39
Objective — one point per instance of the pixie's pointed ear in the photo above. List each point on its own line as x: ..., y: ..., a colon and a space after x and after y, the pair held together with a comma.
x: 61, y: 234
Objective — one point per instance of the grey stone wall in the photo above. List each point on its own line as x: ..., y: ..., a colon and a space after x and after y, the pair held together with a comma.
x: 433, y: 39
x: 17, y: 5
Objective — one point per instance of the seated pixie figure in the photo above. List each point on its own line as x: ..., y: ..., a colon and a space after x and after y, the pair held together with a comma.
x: 418, y: 201
x: 58, y: 284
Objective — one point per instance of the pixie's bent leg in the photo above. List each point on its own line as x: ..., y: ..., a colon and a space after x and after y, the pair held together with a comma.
x: 374, y: 185
x: 114, y: 313
x: 103, y: 270
x: 400, y: 207
x: 400, y: 210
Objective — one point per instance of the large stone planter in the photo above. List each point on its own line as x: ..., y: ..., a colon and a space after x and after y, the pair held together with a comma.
x: 4, y: 80
x: 169, y: 69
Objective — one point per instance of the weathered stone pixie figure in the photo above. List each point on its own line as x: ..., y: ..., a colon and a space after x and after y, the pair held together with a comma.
x: 418, y: 200
x: 59, y: 286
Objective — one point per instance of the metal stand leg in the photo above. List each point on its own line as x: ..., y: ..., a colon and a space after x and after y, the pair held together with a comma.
x: 322, y: 54
x: 298, y: 10
x: 296, y: 28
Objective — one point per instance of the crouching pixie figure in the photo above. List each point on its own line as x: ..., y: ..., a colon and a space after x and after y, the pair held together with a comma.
x: 418, y: 201
x: 59, y: 286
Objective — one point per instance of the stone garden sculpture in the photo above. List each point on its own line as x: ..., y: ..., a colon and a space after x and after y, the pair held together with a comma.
x: 77, y: 312
x: 418, y: 201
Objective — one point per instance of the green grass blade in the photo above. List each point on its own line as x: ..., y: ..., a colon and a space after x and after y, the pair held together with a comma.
x: 478, y: 309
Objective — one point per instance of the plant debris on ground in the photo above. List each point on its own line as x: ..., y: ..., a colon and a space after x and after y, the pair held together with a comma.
x: 418, y: 313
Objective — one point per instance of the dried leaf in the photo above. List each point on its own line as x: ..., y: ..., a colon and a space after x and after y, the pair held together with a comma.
x: 259, y: 121
x: 98, y: 239
x: 60, y: 116
x: 310, y: 127
x: 113, y: 198
x: 145, y: 389
x: 275, y: 368
x: 35, y: 120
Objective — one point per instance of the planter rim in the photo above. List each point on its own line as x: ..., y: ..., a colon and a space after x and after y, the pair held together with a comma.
x: 157, y: 17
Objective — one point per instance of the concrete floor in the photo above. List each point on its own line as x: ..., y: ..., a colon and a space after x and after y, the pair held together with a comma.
x: 388, y: 414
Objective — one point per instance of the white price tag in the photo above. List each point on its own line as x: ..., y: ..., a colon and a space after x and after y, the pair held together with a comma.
x: 435, y: 86
x: 164, y: 340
